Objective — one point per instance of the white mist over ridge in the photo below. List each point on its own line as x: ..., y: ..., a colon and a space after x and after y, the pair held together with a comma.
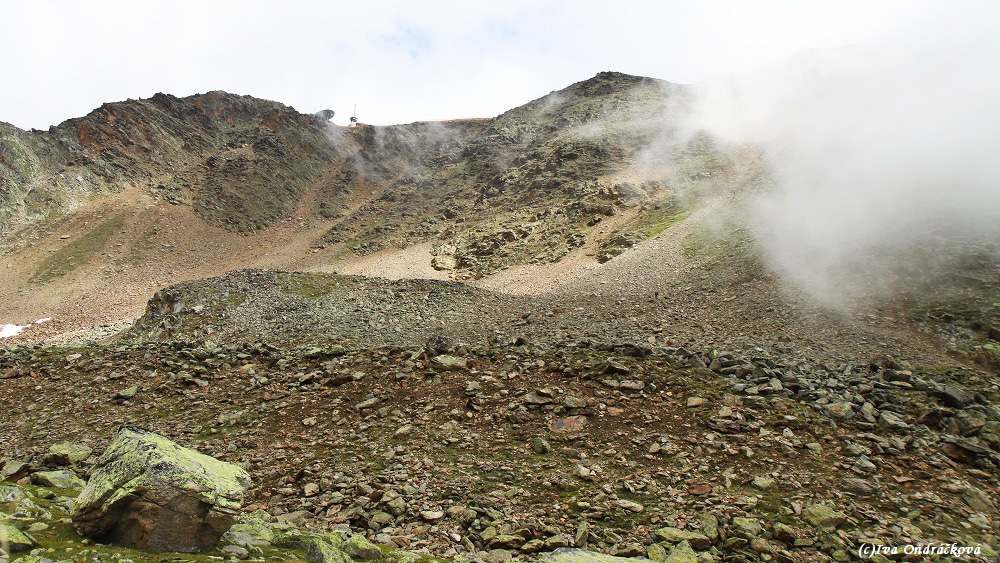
x: 883, y: 155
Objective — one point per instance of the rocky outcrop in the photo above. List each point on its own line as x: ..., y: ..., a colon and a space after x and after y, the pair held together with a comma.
x: 348, y: 311
x: 147, y: 492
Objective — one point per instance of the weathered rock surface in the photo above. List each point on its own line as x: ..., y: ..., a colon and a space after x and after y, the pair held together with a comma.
x: 148, y: 492
x: 570, y: 555
x: 66, y: 453
x: 13, y: 540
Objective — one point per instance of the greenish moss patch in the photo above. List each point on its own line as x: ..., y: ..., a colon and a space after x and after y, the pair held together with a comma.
x: 77, y: 252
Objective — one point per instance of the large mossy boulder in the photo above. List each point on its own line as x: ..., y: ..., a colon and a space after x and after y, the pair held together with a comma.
x: 149, y: 493
x: 13, y: 540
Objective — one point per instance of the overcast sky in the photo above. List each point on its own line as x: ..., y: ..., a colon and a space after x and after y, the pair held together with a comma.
x: 400, y: 61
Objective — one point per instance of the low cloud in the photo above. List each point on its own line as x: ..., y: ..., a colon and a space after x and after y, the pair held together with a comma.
x: 884, y: 157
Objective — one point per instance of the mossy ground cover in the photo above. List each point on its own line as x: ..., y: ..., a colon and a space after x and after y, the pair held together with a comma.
x: 77, y: 252
x: 647, y: 225
x: 309, y: 286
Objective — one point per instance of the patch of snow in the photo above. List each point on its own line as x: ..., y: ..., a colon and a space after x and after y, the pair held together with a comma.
x: 45, y: 320
x: 6, y: 331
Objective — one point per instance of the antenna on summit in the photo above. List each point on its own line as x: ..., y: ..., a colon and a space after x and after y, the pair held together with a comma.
x: 354, y: 117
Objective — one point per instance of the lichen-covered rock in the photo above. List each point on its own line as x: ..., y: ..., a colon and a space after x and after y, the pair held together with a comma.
x: 66, y: 453
x: 671, y: 535
x: 358, y: 547
x: 325, y: 548
x: 147, y: 492
x: 823, y: 515
x: 13, y: 470
x: 10, y: 495
x: 255, y: 528
x: 13, y: 540
x: 61, y: 479
x: 682, y: 553
x: 573, y: 555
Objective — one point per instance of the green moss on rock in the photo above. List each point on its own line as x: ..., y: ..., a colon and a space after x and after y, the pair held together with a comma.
x: 148, y: 492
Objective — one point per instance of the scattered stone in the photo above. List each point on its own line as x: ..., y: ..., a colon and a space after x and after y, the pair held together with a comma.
x: 396, y: 506
x: 784, y: 532
x: 682, y: 553
x: 506, y: 541
x: 535, y: 398
x: 892, y: 421
x: 953, y: 396
x: 582, y: 531
x: 979, y: 501
x: 448, y: 362
x: 568, y: 425
x: 697, y: 540
x: 709, y: 525
x: 367, y: 403
x: 821, y: 515
x: 319, y: 549
x: 533, y: 546
x: 358, y: 547
x: 840, y: 410
x: 616, y: 368
x: 127, y: 394
x: 254, y: 529
x: 656, y: 552
x: 696, y: 401
x: 747, y: 527
x: 236, y: 551
x: 632, y: 385
x: 149, y: 493
x: 865, y: 487
x: 432, y: 515
x: 66, y: 453
x: 630, y: 505
x: 540, y: 446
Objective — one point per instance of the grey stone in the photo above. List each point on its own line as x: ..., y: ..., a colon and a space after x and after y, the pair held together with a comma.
x: 953, y: 396
x: 535, y: 398
x: 892, y: 421
x: 840, y: 410
x: 630, y: 505
x: 863, y: 487
x: 448, y: 362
